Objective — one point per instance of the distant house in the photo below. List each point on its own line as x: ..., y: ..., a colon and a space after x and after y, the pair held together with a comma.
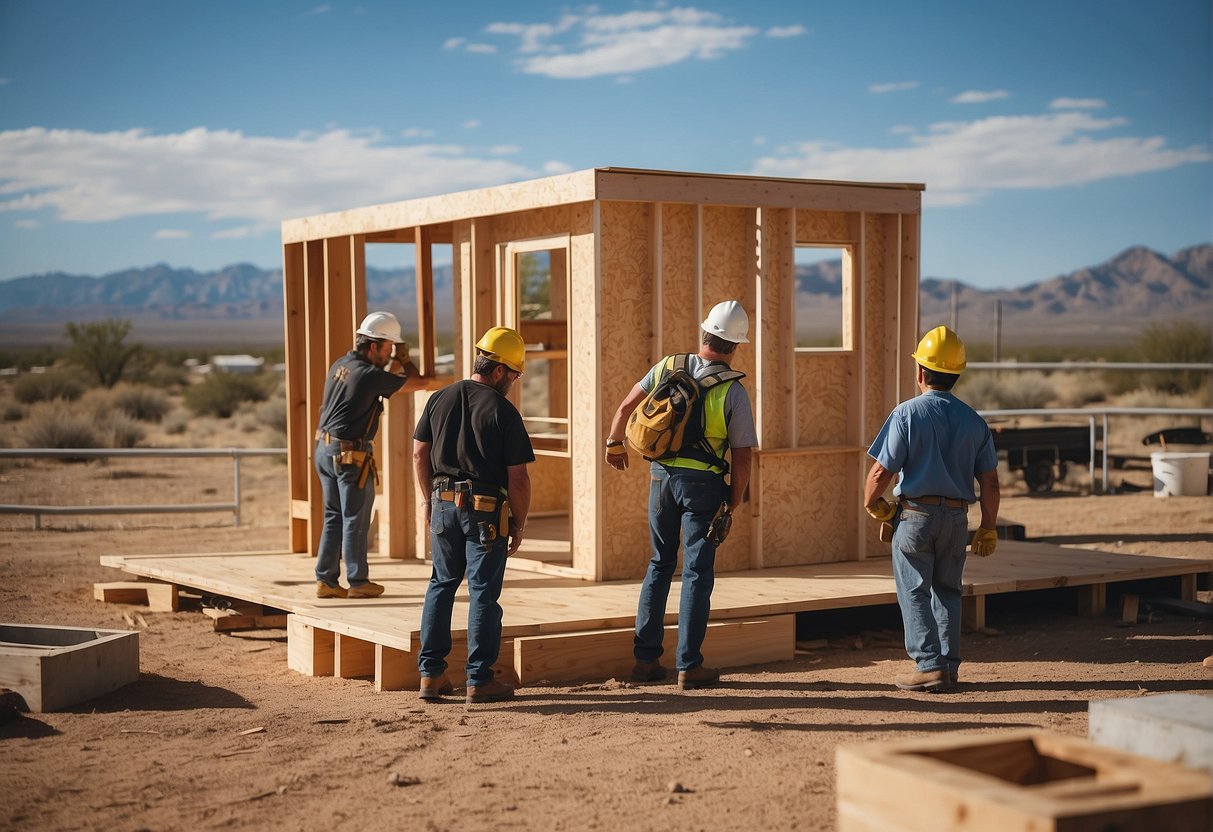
x: 237, y: 364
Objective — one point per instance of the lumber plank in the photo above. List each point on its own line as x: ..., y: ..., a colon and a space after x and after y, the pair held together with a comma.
x: 571, y: 657
x: 352, y: 657
x: 309, y: 649
x: 229, y: 620
x: 158, y: 597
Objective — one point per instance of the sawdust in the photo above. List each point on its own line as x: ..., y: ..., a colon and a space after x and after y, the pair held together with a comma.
x: 219, y: 733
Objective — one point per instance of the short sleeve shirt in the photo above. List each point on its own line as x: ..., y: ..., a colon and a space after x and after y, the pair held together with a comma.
x: 474, y: 433
x: 938, y: 444
x: 351, y: 396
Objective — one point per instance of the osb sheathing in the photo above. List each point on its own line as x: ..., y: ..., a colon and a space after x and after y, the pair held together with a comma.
x: 625, y: 326
x: 679, y: 276
x: 803, y: 509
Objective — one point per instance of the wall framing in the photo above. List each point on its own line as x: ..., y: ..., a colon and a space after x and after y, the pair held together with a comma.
x: 647, y: 253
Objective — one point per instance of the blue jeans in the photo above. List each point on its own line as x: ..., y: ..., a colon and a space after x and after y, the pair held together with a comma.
x: 682, y: 502
x: 457, y: 550
x: 347, y: 518
x: 928, y: 565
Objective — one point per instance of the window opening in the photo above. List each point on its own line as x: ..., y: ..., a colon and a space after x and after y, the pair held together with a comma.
x: 823, y: 295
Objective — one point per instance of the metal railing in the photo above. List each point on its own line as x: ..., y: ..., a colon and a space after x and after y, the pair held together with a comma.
x: 236, y: 455
x: 1102, y: 413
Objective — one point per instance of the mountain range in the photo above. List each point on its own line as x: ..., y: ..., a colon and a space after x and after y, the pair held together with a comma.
x: 1113, y: 299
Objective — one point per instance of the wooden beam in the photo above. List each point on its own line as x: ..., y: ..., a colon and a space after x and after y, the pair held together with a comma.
x: 425, y: 300
x: 353, y: 658
x: 395, y: 669
x: 158, y: 597
x: 973, y: 612
x: 603, y: 654
x: 309, y: 649
x: 1092, y: 599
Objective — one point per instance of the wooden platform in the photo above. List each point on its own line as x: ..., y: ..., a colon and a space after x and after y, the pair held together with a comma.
x: 379, y: 637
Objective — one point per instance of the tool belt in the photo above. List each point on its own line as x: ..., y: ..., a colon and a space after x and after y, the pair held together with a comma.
x: 343, y: 444
x: 935, y: 500
x: 482, y: 497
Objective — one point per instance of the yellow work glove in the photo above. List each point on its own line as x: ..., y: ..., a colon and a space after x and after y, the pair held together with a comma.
x: 985, y: 541
x: 880, y: 510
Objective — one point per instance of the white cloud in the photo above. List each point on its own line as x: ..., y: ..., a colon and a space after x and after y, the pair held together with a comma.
x: 27, y: 224
x: 453, y: 43
x: 505, y: 149
x: 760, y: 140
x: 238, y: 233
x: 481, y: 48
x: 792, y: 31
x: 1077, y: 104
x: 896, y: 86
x: 224, y: 175
x: 416, y: 133
x: 960, y: 162
x: 594, y: 44
x: 471, y: 124
x: 553, y: 168
x: 172, y: 234
x: 324, y: 8
x: 979, y: 96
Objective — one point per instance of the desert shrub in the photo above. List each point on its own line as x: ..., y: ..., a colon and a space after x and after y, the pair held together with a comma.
x: 1005, y: 390
x: 99, y: 348
x: 163, y: 376
x: 1076, y: 389
x: 120, y: 430
x: 221, y: 394
x: 272, y: 415
x: 45, y: 387
x: 1177, y: 342
x: 12, y: 411
x: 176, y: 422
x: 52, y: 426
x: 141, y: 402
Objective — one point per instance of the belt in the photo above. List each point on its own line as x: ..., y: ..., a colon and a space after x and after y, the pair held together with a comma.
x: 449, y: 496
x: 935, y: 500
x: 353, y: 444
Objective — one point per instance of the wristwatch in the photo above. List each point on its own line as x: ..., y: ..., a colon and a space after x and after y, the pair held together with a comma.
x: 613, y: 443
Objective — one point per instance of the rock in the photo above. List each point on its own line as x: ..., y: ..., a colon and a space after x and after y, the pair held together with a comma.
x: 398, y: 779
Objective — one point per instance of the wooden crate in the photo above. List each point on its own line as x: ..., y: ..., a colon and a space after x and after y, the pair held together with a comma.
x: 56, y: 667
x: 1029, y: 780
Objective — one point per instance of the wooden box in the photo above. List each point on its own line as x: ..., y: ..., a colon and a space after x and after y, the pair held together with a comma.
x: 1017, y: 780
x: 56, y: 667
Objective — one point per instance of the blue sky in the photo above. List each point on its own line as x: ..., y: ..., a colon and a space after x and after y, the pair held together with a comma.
x: 1050, y: 135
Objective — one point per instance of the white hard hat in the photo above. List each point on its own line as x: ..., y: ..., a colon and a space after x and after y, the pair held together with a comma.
x: 382, y: 326
x: 729, y: 321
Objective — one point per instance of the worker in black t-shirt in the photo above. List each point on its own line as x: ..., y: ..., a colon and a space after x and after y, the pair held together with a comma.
x: 470, y: 452
x: 344, y: 461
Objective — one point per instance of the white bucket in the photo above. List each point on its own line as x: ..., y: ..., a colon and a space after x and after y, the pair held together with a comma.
x: 1180, y: 475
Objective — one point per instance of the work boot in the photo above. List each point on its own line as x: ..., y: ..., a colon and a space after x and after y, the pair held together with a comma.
x: 323, y: 590
x: 370, y: 589
x: 492, y: 691
x: 698, y: 677
x: 930, y: 680
x: 433, y: 688
x: 648, y: 672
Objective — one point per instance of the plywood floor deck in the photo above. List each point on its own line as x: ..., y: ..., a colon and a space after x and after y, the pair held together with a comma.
x: 537, y: 604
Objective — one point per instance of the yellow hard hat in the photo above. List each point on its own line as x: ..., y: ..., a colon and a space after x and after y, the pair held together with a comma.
x: 505, y: 346
x: 941, y: 350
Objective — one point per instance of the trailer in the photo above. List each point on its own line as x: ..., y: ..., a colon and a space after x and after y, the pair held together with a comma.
x: 1043, y: 453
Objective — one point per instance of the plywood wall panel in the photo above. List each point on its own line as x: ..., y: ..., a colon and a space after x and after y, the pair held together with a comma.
x: 626, y: 325
x: 877, y: 329
x: 773, y: 328
x: 679, y: 273
x: 824, y: 227
x: 825, y: 382
x: 804, y: 513
x: 586, y: 426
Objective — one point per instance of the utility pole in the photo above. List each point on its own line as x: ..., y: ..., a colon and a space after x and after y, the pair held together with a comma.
x: 997, y: 331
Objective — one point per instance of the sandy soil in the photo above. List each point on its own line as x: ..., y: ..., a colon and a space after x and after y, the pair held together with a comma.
x: 174, y: 750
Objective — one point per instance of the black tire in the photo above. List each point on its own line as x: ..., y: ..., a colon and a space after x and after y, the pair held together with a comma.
x: 1039, y: 476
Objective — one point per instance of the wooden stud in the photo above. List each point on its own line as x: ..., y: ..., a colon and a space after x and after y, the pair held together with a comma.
x: 1092, y: 599
x: 309, y: 649
x: 395, y: 669
x: 973, y: 612
x: 353, y: 657
x: 158, y: 597
x: 1128, y: 608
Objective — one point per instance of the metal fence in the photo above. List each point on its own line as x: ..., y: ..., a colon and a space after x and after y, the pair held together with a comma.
x: 236, y: 454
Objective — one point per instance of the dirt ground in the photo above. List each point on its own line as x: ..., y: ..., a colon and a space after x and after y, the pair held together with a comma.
x: 219, y: 733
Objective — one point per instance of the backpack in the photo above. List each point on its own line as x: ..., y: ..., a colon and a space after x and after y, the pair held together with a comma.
x: 669, y: 421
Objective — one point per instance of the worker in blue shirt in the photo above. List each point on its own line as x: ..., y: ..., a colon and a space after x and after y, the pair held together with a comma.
x: 939, y: 445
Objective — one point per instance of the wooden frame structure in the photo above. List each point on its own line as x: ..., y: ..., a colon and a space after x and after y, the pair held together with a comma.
x: 632, y: 260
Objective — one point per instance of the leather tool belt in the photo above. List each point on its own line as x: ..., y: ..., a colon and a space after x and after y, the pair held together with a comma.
x: 935, y: 500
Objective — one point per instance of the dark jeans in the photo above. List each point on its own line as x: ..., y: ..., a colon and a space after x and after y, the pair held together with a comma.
x: 347, y: 518
x: 682, y: 503
x: 928, y: 568
x: 457, y: 550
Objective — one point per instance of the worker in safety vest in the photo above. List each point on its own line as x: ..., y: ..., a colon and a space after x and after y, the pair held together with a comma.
x: 939, y: 445
x: 356, y: 384
x: 688, y: 499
